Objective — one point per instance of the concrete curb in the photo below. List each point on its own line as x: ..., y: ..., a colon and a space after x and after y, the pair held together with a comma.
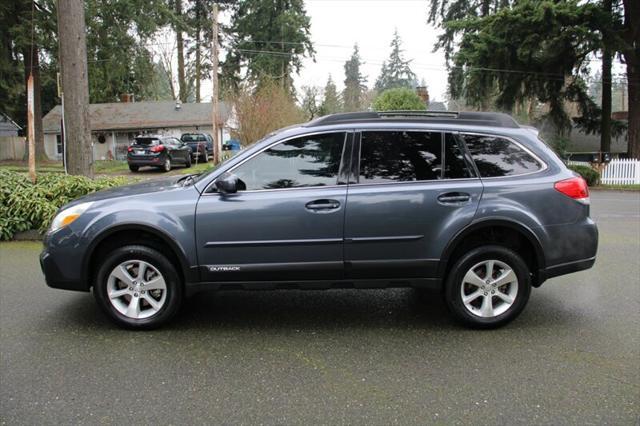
x: 30, y: 235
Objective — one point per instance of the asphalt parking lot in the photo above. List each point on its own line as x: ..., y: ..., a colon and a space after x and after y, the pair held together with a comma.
x: 331, y: 357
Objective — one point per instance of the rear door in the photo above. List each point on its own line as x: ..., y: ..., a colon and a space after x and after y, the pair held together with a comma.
x: 286, y: 222
x: 411, y: 192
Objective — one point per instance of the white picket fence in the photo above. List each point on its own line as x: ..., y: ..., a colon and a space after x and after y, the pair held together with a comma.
x: 621, y: 172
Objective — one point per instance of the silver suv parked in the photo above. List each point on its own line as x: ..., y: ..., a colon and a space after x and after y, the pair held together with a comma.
x: 469, y: 204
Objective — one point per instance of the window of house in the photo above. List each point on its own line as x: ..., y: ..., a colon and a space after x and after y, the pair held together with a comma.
x: 495, y: 156
x: 59, y: 147
x: 302, y: 162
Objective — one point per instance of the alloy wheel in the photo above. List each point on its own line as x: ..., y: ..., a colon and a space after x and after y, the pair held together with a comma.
x: 489, y: 288
x: 136, y: 289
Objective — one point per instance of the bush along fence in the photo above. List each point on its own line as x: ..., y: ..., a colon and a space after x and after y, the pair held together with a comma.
x: 621, y: 172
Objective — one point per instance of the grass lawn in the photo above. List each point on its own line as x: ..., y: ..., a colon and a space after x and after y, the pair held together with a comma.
x: 619, y: 187
x: 106, y: 167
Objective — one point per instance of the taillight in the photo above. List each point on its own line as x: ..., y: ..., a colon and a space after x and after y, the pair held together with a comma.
x: 575, y: 188
x: 130, y: 149
x: 157, y: 148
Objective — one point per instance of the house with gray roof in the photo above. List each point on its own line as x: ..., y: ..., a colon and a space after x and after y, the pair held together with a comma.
x: 8, y: 127
x: 115, y: 125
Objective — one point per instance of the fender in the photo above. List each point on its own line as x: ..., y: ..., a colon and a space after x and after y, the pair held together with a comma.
x: 486, y: 223
x: 190, y: 274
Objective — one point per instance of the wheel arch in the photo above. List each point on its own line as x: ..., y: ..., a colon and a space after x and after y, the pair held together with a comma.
x: 128, y: 233
x: 489, y: 225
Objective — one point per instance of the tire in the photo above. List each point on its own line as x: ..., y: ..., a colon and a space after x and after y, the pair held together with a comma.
x: 127, y: 299
x: 167, y: 164
x: 487, y: 304
x: 134, y: 168
x: 188, y: 163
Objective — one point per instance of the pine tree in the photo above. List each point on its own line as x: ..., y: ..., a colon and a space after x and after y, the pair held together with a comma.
x: 269, y: 38
x: 354, y: 83
x: 331, y: 100
x: 396, y: 72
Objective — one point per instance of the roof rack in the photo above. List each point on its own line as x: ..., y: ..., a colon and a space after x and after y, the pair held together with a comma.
x: 495, y: 119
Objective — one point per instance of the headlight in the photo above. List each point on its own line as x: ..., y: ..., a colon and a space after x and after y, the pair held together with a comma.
x: 67, y: 216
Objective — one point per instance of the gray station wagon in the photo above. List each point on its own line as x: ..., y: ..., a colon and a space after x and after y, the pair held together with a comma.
x: 468, y: 204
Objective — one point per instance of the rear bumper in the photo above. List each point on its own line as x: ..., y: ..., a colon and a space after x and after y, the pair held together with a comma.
x: 565, y: 268
x: 155, y: 160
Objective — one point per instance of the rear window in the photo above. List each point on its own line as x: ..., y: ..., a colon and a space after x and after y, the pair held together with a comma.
x: 495, y: 156
x: 193, y: 138
x: 146, y: 141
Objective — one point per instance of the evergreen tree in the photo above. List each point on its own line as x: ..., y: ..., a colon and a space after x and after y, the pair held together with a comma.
x: 331, y: 100
x: 310, y: 104
x: 354, y: 83
x: 395, y: 72
x: 269, y: 38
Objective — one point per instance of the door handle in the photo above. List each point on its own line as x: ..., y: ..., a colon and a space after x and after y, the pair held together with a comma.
x: 322, y: 205
x: 454, y: 198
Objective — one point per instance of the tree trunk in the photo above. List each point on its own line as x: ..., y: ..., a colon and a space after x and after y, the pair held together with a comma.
x: 632, y: 58
x: 32, y: 64
x: 75, y: 84
x: 182, y: 83
x: 633, y: 133
x: 605, y: 122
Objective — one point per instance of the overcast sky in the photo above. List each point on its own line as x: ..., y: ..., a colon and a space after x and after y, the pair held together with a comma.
x: 336, y: 25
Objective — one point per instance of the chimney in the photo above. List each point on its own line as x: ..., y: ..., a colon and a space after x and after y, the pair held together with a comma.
x: 423, y: 92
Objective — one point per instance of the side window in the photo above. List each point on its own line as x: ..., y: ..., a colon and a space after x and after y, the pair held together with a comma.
x: 297, y: 163
x: 400, y: 156
x: 495, y: 156
x: 455, y: 167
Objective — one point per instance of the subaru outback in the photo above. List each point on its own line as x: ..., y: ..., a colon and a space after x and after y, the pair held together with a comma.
x: 471, y: 205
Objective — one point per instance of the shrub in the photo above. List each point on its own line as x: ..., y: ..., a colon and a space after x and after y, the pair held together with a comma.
x: 399, y: 100
x: 590, y: 175
x: 25, y: 206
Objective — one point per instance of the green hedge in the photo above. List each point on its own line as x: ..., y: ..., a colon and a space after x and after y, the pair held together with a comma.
x: 590, y: 175
x: 25, y: 206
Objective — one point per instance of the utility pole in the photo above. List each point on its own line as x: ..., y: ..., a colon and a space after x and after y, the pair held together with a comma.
x: 214, y: 79
x: 31, y: 130
x: 75, y: 84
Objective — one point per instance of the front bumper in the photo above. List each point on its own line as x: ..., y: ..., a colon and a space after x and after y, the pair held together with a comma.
x: 55, y: 278
x: 61, y: 261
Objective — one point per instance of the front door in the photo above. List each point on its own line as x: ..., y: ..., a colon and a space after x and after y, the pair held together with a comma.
x: 413, y: 192
x: 287, y: 220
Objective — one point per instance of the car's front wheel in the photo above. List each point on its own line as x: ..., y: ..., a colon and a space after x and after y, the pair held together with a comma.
x: 138, y: 287
x: 488, y: 287
x: 133, y: 168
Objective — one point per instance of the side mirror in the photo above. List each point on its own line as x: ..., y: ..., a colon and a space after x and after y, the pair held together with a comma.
x: 227, y: 184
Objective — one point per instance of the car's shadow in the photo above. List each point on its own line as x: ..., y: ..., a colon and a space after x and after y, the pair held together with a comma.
x: 400, y: 309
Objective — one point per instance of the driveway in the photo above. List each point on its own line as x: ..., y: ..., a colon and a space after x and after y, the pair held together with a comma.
x: 331, y: 357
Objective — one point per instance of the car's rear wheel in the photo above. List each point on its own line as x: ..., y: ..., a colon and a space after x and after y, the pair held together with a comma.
x: 488, y: 287
x: 134, y: 168
x: 138, y: 287
x: 166, y: 166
